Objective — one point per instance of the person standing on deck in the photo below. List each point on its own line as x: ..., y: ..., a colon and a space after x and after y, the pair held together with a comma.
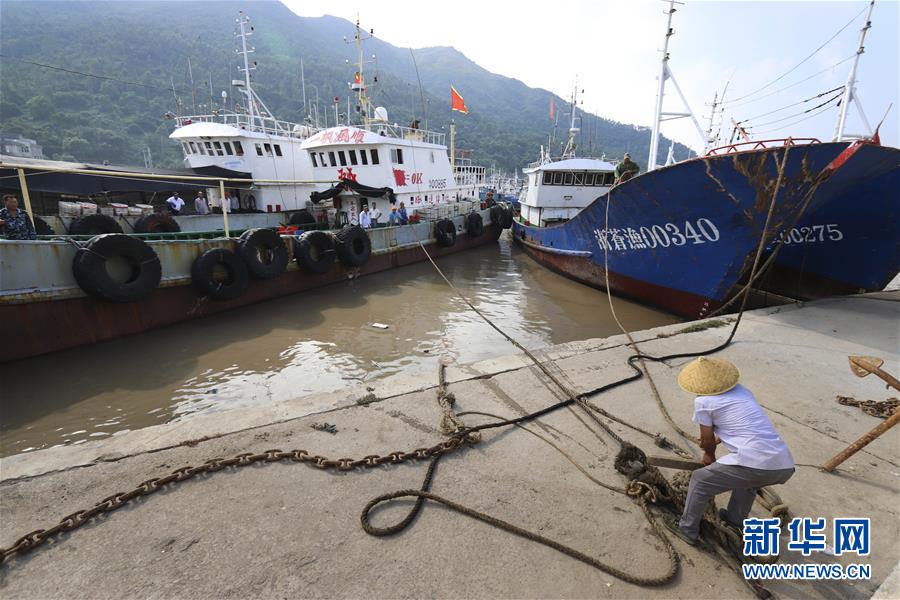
x: 200, y: 205
x: 404, y: 219
x: 175, y: 203
x: 375, y: 214
x: 728, y: 413
x: 15, y: 223
x: 365, y: 220
x: 626, y: 169
x: 394, y: 217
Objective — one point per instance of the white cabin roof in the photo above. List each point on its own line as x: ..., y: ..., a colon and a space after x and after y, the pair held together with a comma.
x: 574, y: 164
x: 206, y: 129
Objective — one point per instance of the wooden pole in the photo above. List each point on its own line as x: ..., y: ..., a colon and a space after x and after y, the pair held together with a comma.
x: 225, y: 209
x: 862, y: 442
x: 26, y: 197
x: 861, y: 367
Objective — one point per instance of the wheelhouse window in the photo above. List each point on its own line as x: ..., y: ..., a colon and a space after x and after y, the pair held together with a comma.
x: 342, y: 157
x: 579, y: 179
x: 192, y: 147
x: 209, y: 149
x: 558, y: 178
x: 589, y: 179
x: 322, y: 161
x: 363, y: 157
x: 218, y: 147
x: 331, y: 159
x: 548, y: 178
x: 238, y: 149
x: 259, y: 150
x: 268, y: 149
x: 200, y: 149
x: 397, y: 156
x: 227, y: 147
x: 277, y: 149
x: 374, y: 152
x: 568, y: 179
x: 315, y: 162
x: 185, y: 147
x: 352, y: 154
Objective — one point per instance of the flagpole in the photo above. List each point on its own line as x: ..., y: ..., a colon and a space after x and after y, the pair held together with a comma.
x: 452, y: 145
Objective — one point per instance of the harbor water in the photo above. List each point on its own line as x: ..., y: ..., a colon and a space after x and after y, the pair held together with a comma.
x: 312, y: 342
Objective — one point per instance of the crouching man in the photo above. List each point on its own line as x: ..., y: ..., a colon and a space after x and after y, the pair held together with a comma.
x: 727, y: 412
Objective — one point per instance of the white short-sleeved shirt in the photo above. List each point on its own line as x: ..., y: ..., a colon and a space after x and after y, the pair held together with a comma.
x: 744, y: 428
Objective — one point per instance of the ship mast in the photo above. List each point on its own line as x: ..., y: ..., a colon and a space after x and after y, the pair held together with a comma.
x: 664, y: 74
x: 359, y: 80
x: 849, y: 94
x: 569, y: 151
x: 243, y: 20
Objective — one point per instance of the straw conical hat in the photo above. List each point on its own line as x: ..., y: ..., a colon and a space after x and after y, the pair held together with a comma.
x: 709, y: 376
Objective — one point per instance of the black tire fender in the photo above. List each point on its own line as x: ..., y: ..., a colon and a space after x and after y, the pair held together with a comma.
x: 507, y: 219
x: 42, y: 227
x: 92, y: 275
x: 445, y: 232
x: 474, y: 225
x: 264, y: 253
x: 94, y: 225
x: 302, y: 217
x: 204, y: 277
x: 314, y: 252
x: 496, y: 215
x: 353, y: 246
x: 156, y: 223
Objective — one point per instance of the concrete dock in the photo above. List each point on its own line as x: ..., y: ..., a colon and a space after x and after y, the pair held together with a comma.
x: 290, y: 530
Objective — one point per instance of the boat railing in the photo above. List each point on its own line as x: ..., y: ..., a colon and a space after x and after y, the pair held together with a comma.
x: 258, y: 123
x: 406, y: 133
x: 761, y: 144
x: 448, y: 210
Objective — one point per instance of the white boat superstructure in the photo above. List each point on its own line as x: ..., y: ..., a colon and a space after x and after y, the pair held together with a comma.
x: 249, y: 139
x: 557, y: 189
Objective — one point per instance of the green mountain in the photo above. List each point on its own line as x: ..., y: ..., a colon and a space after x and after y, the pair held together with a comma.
x: 92, y: 80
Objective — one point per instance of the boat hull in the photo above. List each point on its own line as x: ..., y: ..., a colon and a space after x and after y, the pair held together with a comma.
x: 57, y: 320
x: 680, y: 237
x: 851, y: 244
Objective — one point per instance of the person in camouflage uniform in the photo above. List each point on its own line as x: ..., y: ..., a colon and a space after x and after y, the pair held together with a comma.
x: 14, y: 223
x: 626, y: 169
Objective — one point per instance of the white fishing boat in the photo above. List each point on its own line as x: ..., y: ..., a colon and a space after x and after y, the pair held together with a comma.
x: 249, y: 139
x: 558, y: 188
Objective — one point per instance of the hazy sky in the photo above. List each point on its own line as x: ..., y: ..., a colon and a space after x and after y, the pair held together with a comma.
x: 614, y: 48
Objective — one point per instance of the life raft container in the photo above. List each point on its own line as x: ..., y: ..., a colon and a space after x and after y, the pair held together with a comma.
x: 140, y: 266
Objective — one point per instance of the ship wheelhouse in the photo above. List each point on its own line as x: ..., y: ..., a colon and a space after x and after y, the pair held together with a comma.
x: 412, y: 162
x: 559, y: 190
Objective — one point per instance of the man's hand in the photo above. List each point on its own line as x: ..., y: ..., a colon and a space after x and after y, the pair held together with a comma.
x: 709, y: 458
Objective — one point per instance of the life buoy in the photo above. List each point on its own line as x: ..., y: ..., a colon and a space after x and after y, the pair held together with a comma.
x: 156, y: 223
x: 302, y: 217
x: 94, y: 225
x: 209, y: 281
x: 474, y: 225
x: 445, y: 232
x: 354, y: 246
x: 264, y: 253
x: 496, y: 214
x: 140, y: 268
x: 314, y: 252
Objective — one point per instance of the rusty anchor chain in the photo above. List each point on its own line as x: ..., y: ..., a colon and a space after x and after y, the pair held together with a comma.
x: 32, y: 540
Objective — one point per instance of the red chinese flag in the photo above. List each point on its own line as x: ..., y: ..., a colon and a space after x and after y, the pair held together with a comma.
x: 357, y: 79
x: 551, y: 108
x: 456, y: 101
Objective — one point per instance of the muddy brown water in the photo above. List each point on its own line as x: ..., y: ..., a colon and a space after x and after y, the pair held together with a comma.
x: 312, y: 342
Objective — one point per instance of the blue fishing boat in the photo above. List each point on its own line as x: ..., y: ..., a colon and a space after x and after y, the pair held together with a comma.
x: 850, y: 244
x: 681, y: 237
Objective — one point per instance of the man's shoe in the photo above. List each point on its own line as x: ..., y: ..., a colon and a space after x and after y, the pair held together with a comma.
x: 672, y: 525
x: 723, y: 516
